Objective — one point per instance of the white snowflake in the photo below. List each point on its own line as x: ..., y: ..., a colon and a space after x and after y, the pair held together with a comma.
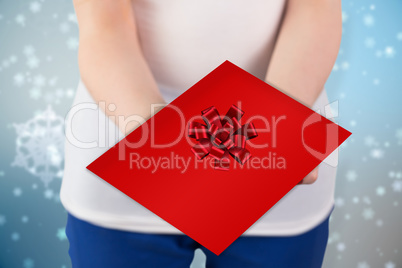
x: 70, y: 92
x: 355, y: 200
x: 2, y: 220
x: 52, y: 81
x: 363, y: 265
x: 64, y: 27
x: 72, y: 17
x: 380, y: 191
x: 25, y: 219
x: 6, y: 64
x: 29, y: 50
x: 335, y: 67
x: 379, y: 223
x: 61, y: 234
x: 17, y: 192
x: 29, y: 263
x: 366, y: 200
x: 72, y: 43
x: 334, y: 236
x: 368, y: 213
x: 20, y: 19
x: 390, y: 264
x: 15, y: 236
x: 369, y: 42
x: 13, y: 59
x: 59, y: 93
x: 33, y: 62
x: 19, y: 79
x: 40, y: 146
x: 339, y: 202
x: 48, y: 193
x: 397, y: 186
x: 389, y: 52
x: 399, y: 36
x: 370, y: 141
x: 35, y: 93
x: 35, y: 7
x: 398, y: 135
x: 368, y: 20
x: 377, y: 153
x: 351, y: 175
x: 344, y: 16
x: 341, y: 247
x: 39, y: 80
x: 345, y: 65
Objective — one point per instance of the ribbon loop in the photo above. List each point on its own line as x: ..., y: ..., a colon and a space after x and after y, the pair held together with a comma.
x: 223, y: 137
x: 211, y: 116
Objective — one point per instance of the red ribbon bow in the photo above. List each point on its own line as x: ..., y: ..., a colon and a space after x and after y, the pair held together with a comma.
x: 221, y: 137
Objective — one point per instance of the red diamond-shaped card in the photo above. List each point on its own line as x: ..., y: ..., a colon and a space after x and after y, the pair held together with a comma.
x: 218, y: 157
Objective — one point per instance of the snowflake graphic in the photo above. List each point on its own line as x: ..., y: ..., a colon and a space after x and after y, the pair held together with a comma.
x: 389, y: 264
x: 2, y: 220
x: 398, y: 135
x: 40, y: 146
x: 367, y: 200
x: 344, y: 16
x: 389, y: 52
x: 339, y: 202
x: 48, y: 193
x: 17, y: 192
x: 377, y: 153
x: 33, y: 62
x: 340, y: 247
x: 370, y: 141
x: 35, y: 7
x: 363, y: 265
x: 28, y: 263
x: 397, y: 186
x: 19, y: 79
x: 368, y: 213
x: 369, y: 42
x: 380, y: 191
x: 351, y: 175
x: 20, y: 19
x: 25, y: 219
x: 72, y: 43
x: 368, y: 20
x: 379, y: 223
x: 61, y: 234
x: 15, y: 236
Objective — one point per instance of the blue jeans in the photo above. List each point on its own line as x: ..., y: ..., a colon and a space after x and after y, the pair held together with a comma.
x: 94, y: 246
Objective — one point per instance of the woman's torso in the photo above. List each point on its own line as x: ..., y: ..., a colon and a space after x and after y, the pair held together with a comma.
x: 182, y: 42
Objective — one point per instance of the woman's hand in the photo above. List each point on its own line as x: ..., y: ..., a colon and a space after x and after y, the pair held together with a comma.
x: 311, y: 177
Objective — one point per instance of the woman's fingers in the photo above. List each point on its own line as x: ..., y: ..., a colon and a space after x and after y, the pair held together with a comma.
x: 311, y: 177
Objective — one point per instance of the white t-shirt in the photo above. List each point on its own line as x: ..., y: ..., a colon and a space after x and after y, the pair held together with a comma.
x: 182, y: 42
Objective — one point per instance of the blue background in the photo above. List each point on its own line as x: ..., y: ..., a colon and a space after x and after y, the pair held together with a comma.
x: 38, y: 76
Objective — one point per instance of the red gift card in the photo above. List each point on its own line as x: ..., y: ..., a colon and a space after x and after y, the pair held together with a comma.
x: 217, y: 158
